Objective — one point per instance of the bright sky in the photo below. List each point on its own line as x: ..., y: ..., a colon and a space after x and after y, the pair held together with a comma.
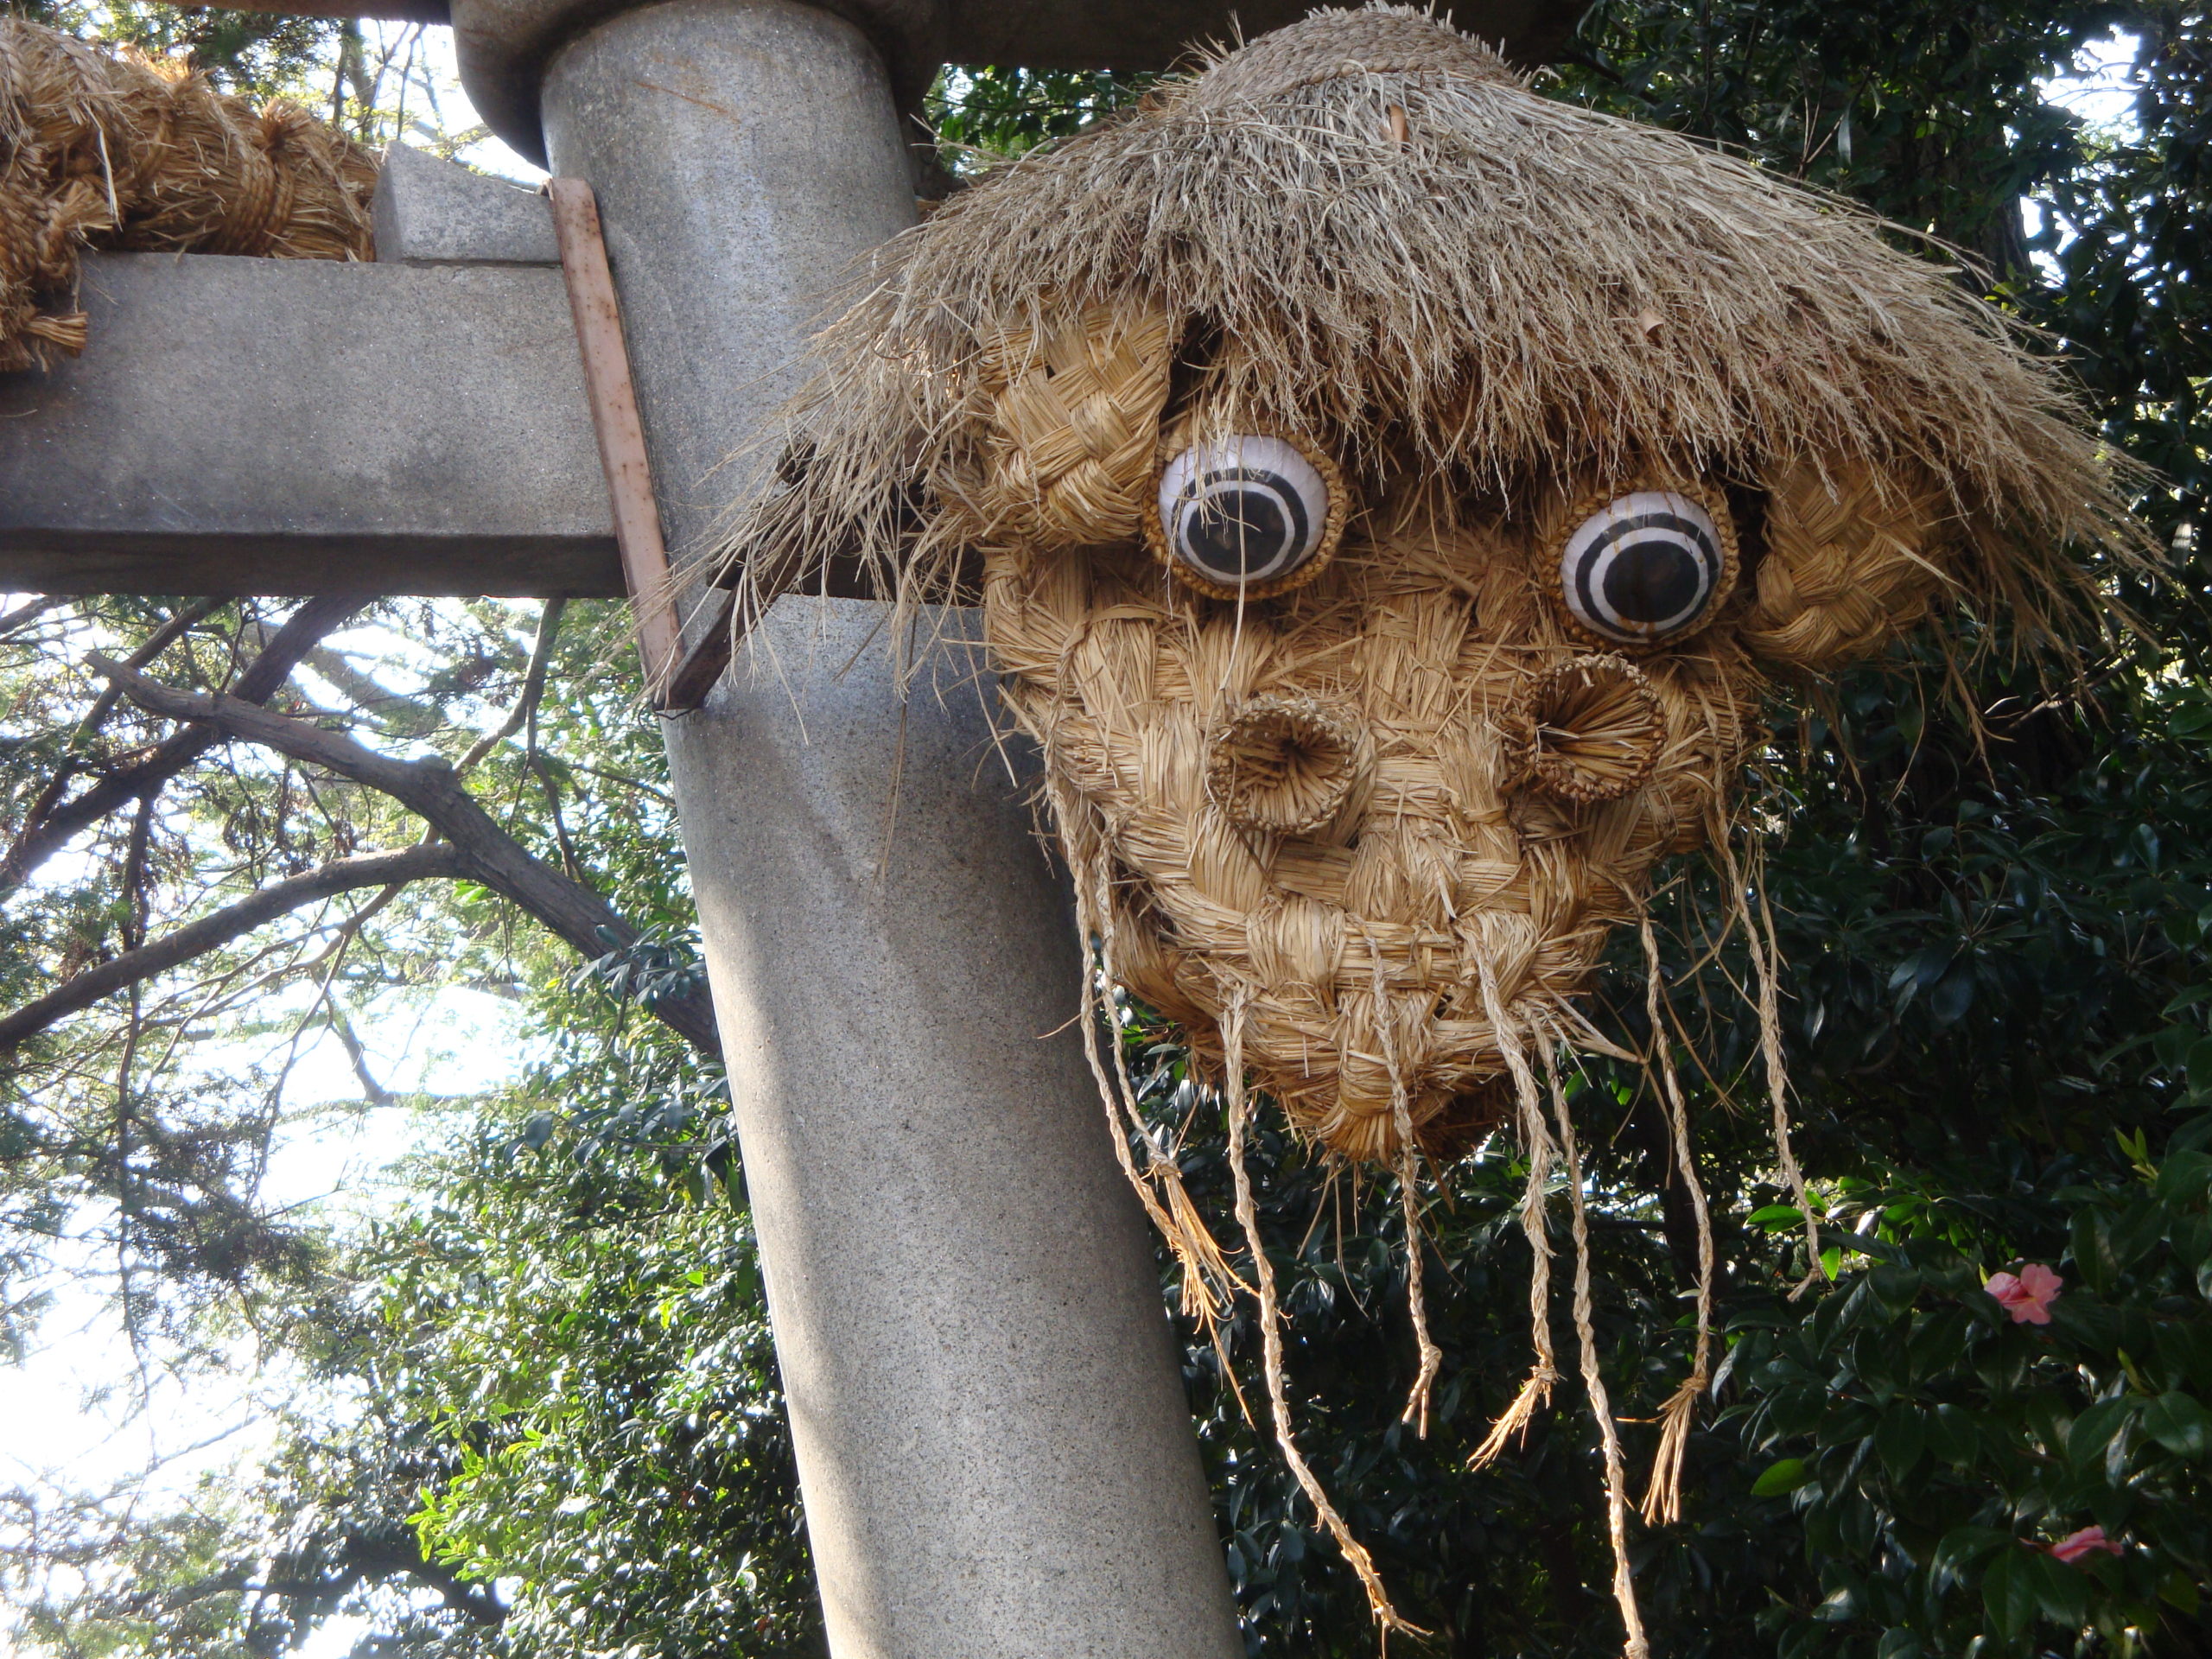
x: 63, y: 1436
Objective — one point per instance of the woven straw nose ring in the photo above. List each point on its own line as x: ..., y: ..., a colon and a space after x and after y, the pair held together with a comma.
x: 1285, y: 765
x: 1585, y: 730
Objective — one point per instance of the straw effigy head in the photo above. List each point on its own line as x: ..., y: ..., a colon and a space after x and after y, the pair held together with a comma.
x: 1394, y: 490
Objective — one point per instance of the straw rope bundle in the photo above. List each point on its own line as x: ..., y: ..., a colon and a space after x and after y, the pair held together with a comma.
x: 113, y: 150
x: 1395, y: 493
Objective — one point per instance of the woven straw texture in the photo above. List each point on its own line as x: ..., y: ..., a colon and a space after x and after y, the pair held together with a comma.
x: 1849, y: 565
x: 1075, y: 418
x: 1440, y: 774
x: 112, y: 150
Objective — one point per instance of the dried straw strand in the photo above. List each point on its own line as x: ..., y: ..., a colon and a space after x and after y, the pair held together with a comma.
x: 1432, y: 1356
x: 1636, y: 1646
x: 1205, y: 1274
x: 1758, y: 939
x: 1263, y: 1273
x: 1662, y: 1498
x: 1537, y: 1146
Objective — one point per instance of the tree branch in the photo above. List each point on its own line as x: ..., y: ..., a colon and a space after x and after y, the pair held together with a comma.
x: 533, y: 685
x: 41, y: 839
x: 197, y: 938
x: 23, y: 616
x: 431, y: 789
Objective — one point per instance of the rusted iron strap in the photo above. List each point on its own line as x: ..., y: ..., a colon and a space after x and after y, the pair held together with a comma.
x: 613, y: 402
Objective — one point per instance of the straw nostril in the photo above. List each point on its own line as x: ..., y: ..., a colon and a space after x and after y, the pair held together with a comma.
x: 1283, y: 766
x: 1588, y: 729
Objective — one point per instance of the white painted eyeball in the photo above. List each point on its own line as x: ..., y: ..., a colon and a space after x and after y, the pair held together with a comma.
x: 1245, y: 515
x: 1646, y: 566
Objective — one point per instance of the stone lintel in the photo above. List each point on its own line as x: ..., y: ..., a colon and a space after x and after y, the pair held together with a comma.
x: 503, y: 46
x: 280, y: 426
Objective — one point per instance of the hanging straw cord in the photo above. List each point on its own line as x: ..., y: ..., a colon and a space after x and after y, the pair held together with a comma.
x: 1662, y: 1498
x: 1263, y: 1273
x: 1409, y: 1167
x: 1538, y: 1147
x: 1636, y: 1646
x: 1208, y: 1281
x: 1766, y: 967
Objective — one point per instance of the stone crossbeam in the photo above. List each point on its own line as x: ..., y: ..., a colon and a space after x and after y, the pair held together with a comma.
x: 414, y: 426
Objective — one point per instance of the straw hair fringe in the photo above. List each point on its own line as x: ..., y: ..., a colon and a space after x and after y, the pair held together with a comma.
x: 1521, y: 291
x: 108, y: 147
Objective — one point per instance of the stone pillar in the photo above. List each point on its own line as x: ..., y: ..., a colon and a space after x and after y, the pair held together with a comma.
x: 995, y: 1453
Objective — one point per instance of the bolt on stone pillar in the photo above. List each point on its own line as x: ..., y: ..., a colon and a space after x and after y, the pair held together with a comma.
x: 995, y: 1453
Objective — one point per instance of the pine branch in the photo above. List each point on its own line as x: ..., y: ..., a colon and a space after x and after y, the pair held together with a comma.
x: 434, y: 791
x: 209, y: 932
x: 49, y: 833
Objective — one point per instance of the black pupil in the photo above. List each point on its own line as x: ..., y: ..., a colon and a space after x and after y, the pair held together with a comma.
x: 1244, y: 524
x: 1652, y: 582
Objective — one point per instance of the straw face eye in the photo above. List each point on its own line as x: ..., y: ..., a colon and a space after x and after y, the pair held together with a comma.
x: 1247, y: 517
x: 1646, y: 566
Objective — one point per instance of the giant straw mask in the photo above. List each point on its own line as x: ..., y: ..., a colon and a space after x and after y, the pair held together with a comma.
x: 1394, y: 491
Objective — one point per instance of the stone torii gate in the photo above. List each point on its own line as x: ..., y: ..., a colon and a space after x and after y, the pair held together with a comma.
x: 993, y: 1442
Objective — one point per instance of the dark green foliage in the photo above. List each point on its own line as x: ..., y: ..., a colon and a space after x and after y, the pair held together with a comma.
x: 595, y: 1363
x: 984, y: 114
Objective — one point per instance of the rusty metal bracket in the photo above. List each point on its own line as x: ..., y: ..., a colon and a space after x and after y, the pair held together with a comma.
x: 699, y: 665
x: 614, y: 401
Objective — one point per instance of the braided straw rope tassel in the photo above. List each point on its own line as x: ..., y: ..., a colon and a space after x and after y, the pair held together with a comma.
x: 1662, y: 1499
x: 1407, y: 1163
x: 1432, y: 1356
x: 1537, y: 1146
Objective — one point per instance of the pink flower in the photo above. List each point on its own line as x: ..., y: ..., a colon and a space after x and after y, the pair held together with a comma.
x: 2073, y: 1547
x: 2027, y: 1297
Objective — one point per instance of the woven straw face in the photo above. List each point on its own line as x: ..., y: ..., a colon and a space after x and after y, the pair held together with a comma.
x: 1357, y: 802
x: 1610, y: 428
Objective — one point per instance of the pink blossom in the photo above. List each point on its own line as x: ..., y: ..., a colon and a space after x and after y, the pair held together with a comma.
x: 2028, y: 1297
x: 2073, y: 1547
